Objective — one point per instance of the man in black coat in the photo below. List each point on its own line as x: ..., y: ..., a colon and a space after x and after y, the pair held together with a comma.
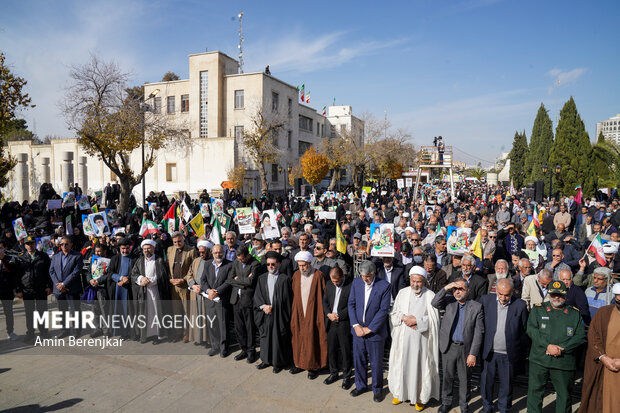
x: 393, y: 272
x: 478, y: 285
x: 120, y: 288
x: 339, y: 339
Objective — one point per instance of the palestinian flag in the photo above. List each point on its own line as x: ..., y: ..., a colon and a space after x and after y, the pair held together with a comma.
x: 535, y: 218
x: 171, y: 219
x: 597, y: 248
x: 148, y: 227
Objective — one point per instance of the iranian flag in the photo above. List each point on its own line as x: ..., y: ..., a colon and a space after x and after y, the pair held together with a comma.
x: 303, y: 86
x: 171, y: 220
x: 535, y: 219
x: 216, y: 233
x: 148, y: 227
x: 324, y: 110
x: 578, y: 196
x: 307, y: 98
x: 597, y: 248
x: 255, y: 211
x: 279, y: 217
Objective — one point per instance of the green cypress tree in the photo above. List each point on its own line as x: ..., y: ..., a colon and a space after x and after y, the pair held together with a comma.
x: 572, y: 150
x: 541, y: 141
x: 517, y: 156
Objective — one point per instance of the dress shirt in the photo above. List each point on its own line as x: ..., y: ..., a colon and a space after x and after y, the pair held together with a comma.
x: 457, y: 332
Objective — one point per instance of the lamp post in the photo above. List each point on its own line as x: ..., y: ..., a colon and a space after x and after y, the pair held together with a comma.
x: 280, y: 172
x: 146, y: 108
x: 544, y: 171
x: 557, y: 171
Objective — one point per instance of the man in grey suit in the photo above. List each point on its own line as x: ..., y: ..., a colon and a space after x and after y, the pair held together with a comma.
x: 460, y: 340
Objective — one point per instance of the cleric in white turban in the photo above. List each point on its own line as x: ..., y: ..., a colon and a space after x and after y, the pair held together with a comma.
x: 414, y: 356
x: 303, y: 256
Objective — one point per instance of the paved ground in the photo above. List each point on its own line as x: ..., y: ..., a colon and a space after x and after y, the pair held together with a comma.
x: 177, y: 378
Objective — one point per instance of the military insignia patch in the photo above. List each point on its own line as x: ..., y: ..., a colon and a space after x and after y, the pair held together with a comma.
x: 557, y: 284
x: 569, y: 331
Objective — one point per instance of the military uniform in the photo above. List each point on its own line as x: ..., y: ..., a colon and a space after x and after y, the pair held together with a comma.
x: 562, y: 327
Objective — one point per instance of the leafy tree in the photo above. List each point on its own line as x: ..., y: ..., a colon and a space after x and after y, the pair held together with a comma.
x: 169, y: 77
x: 110, y: 122
x: 541, y: 141
x: 236, y: 176
x: 296, y: 173
x: 572, y: 150
x: 314, y: 166
x: 606, y: 162
x: 336, y: 149
x: 12, y: 99
x: 476, y: 172
x: 517, y: 156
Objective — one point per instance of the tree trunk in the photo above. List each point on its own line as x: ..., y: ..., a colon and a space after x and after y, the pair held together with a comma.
x: 332, y: 183
x: 126, y: 187
x: 263, y: 180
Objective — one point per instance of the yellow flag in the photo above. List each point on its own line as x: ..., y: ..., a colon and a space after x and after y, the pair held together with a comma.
x: 476, y: 246
x: 531, y: 229
x: 341, y: 242
x: 95, y: 209
x: 197, y: 225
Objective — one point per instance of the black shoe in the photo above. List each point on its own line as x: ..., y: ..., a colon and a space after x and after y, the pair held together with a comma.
x: 312, y: 374
x: 212, y: 352
x: 378, y: 397
x: 355, y: 392
x: 224, y: 353
x: 347, y: 383
x: 63, y: 334
x: 295, y: 370
x: 276, y: 370
x: 241, y: 356
x: 142, y: 340
x: 96, y: 333
x: 157, y: 340
x: 197, y: 344
x: 252, y: 357
x: 263, y: 365
x: 331, y: 379
x: 443, y: 409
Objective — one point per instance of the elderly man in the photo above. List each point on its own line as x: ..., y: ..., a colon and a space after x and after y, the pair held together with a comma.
x: 369, y: 307
x: 556, y: 331
x: 436, y: 279
x: 575, y: 297
x: 501, y: 272
x: 180, y: 258
x: 460, y: 340
x: 602, y: 370
x: 505, y: 344
x: 488, y: 245
x: 150, y: 273
x: 230, y: 249
x: 599, y: 295
x: 414, y: 354
x: 307, y: 318
x: 502, y: 217
x: 535, y: 288
x: 477, y: 285
x: 556, y: 264
x: 524, y: 268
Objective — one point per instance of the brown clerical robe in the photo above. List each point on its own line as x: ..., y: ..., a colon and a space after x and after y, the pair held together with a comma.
x: 309, y: 338
x: 597, y: 380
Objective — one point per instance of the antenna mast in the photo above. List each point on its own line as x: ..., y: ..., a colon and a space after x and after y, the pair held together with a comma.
x: 240, y: 42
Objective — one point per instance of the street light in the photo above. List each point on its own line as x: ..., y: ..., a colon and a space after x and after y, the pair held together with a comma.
x: 146, y: 108
x: 544, y: 171
x: 280, y: 172
x: 557, y: 171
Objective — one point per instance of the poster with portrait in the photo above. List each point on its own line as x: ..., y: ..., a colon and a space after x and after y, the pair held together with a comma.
x: 112, y: 215
x: 217, y: 206
x: 459, y: 240
x: 68, y: 199
x: 46, y: 245
x: 152, y: 206
x: 204, y: 210
x: 400, y: 183
x: 382, y: 240
x: 408, y: 182
x: 99, y: 222
x: 245, y: 221
x: 87, y: 226
x: 98, y: 197
x: 20, y: 229
x: 54, y: 203
x: 99, y: 266
x: 225, y: 221
x: 269, y: 224
x: 83, y: 202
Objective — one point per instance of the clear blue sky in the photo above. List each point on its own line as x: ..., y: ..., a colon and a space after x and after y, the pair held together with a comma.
x: 474, y: 71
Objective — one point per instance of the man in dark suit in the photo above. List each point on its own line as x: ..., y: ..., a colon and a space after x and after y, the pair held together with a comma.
x: 505, y: 344
x: 121, y: 288
x: 65, y: 271
x: 477, y: 284
x: 369, y: 307
x: 393, y: 272
x: 339, y: 344
x: 243, y: 276
x: 585, y: 230
x: 460, y: 340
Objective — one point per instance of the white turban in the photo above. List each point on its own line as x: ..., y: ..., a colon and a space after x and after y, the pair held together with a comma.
x: 203, y: 243
x: 303, y: 256
x: 531, y: 238
x: 417, y: 270
x: 409, y: 229
x: 610, y: 249
x: 616, y: 289
x: 148, y: 242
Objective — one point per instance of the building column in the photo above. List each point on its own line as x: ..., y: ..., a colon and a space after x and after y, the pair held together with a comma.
x: 23, y: 188
x: 45, y: 170
x: 67, y: 171
x: 84, y: 174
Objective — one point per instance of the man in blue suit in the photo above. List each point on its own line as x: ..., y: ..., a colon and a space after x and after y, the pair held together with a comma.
x: 369, y: 308
x: 505, y: 344
x: 65, y: 271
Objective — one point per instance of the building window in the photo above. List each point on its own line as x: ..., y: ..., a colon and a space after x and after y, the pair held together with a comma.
x: 184, y: 103
x: 170, y: 104
x: 204, y: 108
x: 157, y: 105
x: 171, y: 172
x: 305, y: 123
x: 323, y: 130
x: 290, y: 107
x: 238, y: 132
x: 289, y: 139
x: 274, y: 172
x: 318, y: 128
x: 332, y: 131
x: 239, y: 104
x: 275, y: 101
x: 303, y: 147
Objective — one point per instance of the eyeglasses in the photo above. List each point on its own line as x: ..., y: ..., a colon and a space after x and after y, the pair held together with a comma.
x: 459, y: 289
x: 316, y: 247
x: 556, y: 256
x: 269, y: 264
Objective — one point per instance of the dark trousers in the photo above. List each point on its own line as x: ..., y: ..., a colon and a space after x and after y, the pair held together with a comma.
x: 34, y: 301
x: 101, y: 310
x: 245, y: 327
x: 454, y: 362
x: 340, y: 348
x: 7, y: 307
x: 365, y: 351
x: 69, y: 302
x: 498, y: 366
x: 562, y: 381
x: 217, y: 320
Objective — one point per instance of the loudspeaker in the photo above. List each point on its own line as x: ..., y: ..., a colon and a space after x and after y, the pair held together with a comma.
x: 539, y: 187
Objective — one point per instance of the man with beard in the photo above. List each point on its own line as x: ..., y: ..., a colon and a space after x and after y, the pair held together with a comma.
x: 501, y: 271
x: 556, y: 331
x: 535, y: 288
x: 121, y: 287
x: 436, y: 279
x: 307, y: 318
x: 180, y: 258
x: 272, y: 313
x: 524, y: 268
x: 476, y: 284
x: 150, y: 273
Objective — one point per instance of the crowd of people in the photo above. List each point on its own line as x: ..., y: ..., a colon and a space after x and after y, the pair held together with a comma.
x: 535, y: 293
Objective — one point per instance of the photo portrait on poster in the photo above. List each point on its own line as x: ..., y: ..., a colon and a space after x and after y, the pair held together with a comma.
x: 46, y: 245
x: 20, y: 229
x: 99, y: 222
x: 269, y: 224
x: 217, y: 206
x: 99, y: 266
x: 68, y: 199
x: 245, y: 221
x: 382, y: 240
x: 112, y: 215
x: 83, y: 202
x: 204, y: 210
x: 458, y: 240
x: 87, y: 226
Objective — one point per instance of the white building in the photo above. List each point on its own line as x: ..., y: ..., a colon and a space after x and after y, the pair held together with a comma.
x: 214, y: 106
x: 610, y: 129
